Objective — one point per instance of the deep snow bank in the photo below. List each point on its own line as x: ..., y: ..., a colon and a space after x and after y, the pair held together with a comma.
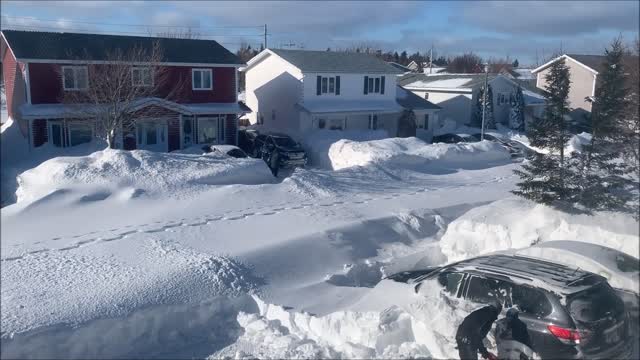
x: 318, y: 143
x: 517, y: 223
x: 409, y: 326
x: 411, y: 151
x: 150, y: 172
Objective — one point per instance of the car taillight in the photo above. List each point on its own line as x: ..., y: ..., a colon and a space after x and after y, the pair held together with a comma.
x: 565, y: 335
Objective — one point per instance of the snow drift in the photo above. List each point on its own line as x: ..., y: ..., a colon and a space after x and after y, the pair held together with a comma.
x: 149, y: 172
x: 516, y: 223
x: 411, y: 151
x: 318, y: 143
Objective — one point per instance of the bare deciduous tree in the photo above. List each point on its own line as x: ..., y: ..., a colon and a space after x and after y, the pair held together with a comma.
x: 469, y: 63
x: 116, y: 86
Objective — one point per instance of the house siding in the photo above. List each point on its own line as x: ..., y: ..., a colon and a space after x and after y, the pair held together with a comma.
x: 231, y: 129
x: 46, y: 84
x: 15, y: 89
x: 582, y: 84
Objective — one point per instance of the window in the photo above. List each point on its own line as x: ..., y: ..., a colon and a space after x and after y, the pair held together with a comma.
x: 328, y: 85
x: 56, y: 134
x: 484, y: 291
x: 207, y: 130
x: 374, y: 85
x: 426, y: 96
x: 373, y: 122
x: 504, y: 99
x: 79, y: 133
x: 141, y: 77
x: 322, y: 123
x: 75, y: 77
x: 201, y: 79
x: 530, y: 301
x: 423, y: 123
x: 336, y: 124
x: 450, y: 281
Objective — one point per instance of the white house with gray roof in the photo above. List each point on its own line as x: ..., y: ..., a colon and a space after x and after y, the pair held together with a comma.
x: 457, y: 94
x: 296, y: 91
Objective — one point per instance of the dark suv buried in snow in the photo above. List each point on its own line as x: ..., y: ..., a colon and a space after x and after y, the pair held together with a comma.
x: 281, y: 151
x: 569, y: 313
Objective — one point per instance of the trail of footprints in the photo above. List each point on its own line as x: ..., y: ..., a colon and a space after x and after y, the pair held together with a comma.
x: 115, y: 234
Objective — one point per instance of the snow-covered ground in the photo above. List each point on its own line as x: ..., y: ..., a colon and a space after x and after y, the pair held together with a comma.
x: 121, y: 254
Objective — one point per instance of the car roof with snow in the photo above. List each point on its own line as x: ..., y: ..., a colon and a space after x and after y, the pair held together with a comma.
x: 532, y: 271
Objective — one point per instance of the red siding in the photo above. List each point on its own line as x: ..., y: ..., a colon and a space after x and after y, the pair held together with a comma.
x: 46, y: 84
x: 39, y: 132
x: 14, y: 83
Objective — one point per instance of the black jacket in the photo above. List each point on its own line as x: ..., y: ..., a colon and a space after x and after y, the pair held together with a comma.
x: 476, y: 326
x: 513, y: 329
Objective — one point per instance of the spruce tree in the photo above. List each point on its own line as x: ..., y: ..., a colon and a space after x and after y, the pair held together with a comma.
x: 515, y: 63
x: 545, y: 178
x: 516, y: 114
x: 600, y: 180
x: 489, y: 119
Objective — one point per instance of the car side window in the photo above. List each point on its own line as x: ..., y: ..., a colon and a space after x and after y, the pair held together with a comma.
x: 482, y: 290
x: 450, y: 281
x: 531, y: 301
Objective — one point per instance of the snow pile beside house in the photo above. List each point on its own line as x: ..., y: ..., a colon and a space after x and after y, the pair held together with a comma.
x: 420, y: 328
x: 515, y: 223
x: 318, y: 143
x: 411, y: 151
x: 111, y: 170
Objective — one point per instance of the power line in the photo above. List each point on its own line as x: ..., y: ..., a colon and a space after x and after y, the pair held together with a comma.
x: 138, y: 25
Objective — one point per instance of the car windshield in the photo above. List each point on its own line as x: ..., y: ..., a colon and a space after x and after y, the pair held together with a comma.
x: 236, y: 153
x: 470, y: 138
x: 284, y: 141
x: 595, y: 303
x: 627, y: 263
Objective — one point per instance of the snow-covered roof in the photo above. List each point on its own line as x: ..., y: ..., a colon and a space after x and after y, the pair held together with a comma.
x: 524, y: 74
x: 351, y: 106
x: 409, y: 100
x: 455, y: 82
x: 40, y: 111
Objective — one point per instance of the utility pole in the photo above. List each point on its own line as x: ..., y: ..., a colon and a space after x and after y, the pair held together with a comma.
x: 484, y: 98
x: 265, y: 36
x: 431, y: 60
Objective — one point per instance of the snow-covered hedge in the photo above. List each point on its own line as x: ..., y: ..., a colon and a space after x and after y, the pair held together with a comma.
x: 515, y: 223
x: 168, y: 174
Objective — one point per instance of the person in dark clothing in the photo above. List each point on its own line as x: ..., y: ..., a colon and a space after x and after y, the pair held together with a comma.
x: 512, y: 337
x: 473, y: 329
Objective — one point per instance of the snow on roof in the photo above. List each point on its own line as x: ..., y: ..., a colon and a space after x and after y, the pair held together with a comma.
x: 524, y: 74
x: 445, y: 83
x: 39, y: 111
x: 340, y: 106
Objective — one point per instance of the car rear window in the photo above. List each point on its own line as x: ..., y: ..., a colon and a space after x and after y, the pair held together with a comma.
x: 531, y: 301
x: 284, y: 141
x: 595, y: 303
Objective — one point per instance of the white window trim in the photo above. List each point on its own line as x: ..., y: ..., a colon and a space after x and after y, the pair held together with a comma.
x: 75, y: 68
x: 141, y: 84
x: 193, y: 71
x: 218, y: 119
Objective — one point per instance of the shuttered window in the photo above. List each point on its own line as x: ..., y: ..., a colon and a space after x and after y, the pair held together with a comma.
x: 366, y: 85
x: 337, y: 85
x: 318, y: 82
x: 373, y: 85
x: 328, y: 85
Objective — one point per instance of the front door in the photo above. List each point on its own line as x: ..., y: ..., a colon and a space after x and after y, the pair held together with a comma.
x: 151, y: 135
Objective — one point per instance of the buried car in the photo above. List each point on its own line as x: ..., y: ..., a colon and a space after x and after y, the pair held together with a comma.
x: 281, y: 151
x: 622, y: 271
x: 227, y: 150
x: 515, y: 148
x: 454, y: 138
x: 569, y: 312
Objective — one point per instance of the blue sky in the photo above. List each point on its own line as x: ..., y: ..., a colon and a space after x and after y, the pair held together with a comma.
x: 518, y: 29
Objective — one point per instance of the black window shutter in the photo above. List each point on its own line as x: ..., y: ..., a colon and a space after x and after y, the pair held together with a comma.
x: 318, y: 84
x: 337, y: 85
x: 366, y: 85
x: 382, y: 85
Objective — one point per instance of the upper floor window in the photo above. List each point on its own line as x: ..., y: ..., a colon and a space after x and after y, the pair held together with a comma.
x: 504, y: 98
x: 426, y: 96
x: 75, y: 77
x: 373, y: 85
x: 328, y: 85
x: 141, y: 77
x: 201, y: 79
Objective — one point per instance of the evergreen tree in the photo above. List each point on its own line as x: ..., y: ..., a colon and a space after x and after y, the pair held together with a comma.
x: 396, y: 57
x: 404, y: 60
x: 600, y: 182
x: 516, y: 114
x: 545, y: 178
x: 515, y: 63
x: 489, y: 119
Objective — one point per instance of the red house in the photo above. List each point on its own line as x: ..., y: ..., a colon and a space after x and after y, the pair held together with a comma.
x: 39, y: 68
